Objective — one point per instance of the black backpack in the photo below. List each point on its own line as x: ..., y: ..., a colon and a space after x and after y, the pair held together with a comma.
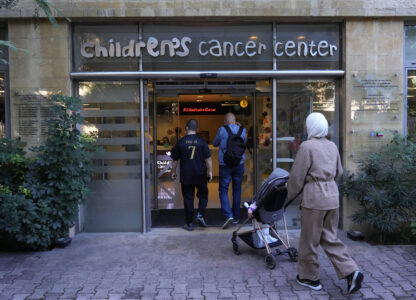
x: 235, y: 147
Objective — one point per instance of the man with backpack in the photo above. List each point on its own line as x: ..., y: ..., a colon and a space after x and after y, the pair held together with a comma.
x: 231, y: 139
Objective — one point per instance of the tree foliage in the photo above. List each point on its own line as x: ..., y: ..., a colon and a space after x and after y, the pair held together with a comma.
x: 39, y: 5
x: 8, y: 4
x: 43, y: 5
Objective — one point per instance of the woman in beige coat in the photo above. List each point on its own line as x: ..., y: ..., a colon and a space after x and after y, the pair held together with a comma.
x: 314, y: 173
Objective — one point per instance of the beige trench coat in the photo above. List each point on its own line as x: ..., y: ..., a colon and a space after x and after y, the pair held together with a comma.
x: 314, y: 173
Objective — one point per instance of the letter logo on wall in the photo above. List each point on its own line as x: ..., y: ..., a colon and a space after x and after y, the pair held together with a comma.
x: 135, y: 48
x: 213, y: 48
x: 292, y: 48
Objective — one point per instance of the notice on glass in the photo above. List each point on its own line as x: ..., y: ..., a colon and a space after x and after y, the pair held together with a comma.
x: 379, y: 94
x: 376, y: 104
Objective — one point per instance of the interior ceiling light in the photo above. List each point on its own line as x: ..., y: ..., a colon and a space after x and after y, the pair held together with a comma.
x: 253, y: 37
x: 301, y: 37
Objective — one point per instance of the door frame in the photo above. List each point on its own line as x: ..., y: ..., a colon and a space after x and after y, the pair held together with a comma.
x: 157, y: 93
x: 405, y: 112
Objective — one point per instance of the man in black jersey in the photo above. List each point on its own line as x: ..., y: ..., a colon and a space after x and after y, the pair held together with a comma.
x: 195, y: 157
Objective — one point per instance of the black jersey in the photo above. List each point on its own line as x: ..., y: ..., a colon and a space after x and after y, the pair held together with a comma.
x: 192, y: 151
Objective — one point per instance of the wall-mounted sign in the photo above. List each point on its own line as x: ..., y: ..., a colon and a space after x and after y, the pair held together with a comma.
x: 203, y: 47
x: 215, y: 48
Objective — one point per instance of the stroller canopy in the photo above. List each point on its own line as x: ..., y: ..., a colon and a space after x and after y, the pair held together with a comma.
x: 279, y: 173
x: 270, y: 192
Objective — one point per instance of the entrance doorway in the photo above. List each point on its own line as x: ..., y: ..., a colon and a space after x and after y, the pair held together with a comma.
x: 174, y: 103
x: 112, y: 112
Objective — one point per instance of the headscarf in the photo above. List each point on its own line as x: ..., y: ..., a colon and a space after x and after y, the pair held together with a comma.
x: 316, y: 125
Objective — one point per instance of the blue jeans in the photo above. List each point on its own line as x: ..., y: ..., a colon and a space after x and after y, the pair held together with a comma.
x: 228, y: 174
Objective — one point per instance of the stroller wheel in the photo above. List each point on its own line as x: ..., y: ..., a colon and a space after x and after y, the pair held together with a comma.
x: 293, y: 254
x: 235, y: 246
x: 270, y: 261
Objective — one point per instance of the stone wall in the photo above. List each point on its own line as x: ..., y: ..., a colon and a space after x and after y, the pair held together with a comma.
x: 373, y: 86
x: 43, y: 69
x: 223, y: 8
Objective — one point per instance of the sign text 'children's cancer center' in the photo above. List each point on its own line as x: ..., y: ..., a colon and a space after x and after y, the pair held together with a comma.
x: 181, y: 47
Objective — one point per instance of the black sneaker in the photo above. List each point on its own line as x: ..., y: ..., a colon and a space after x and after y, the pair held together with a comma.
x: 315, y: 285
x: 189, y: 227
x: 201, y: 221
x: 354, y: 281
x: 227, y: 223
x: 235, y: 222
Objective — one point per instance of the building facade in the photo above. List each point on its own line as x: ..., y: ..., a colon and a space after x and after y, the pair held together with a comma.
x: 144, y: 68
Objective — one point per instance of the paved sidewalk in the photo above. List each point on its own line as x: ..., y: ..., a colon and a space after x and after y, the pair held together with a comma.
x: 175, y: 264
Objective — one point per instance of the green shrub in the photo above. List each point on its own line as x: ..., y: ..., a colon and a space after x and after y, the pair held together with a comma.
x: 13, y: 163
x: 413, y: 226
x: 23, y: 221
x: 39, y: 198
x: 385, y: 188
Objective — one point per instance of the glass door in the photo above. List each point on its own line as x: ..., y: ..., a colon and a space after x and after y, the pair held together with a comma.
x: 411, y: 104
x: 263, y: 133
x: 168, y: 132
x: 3, y: 132
x: 173, y: 112
x: 173, y: 109
x: 295, y: 101
x: 112, y: 114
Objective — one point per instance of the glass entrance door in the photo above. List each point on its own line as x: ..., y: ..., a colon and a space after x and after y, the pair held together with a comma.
x: 295, y: 99
x: 193, y: 100
x: 173, y: 112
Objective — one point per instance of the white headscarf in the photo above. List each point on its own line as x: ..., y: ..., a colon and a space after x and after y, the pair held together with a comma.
x: 316, y: 125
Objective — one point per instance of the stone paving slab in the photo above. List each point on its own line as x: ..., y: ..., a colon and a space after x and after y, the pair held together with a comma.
x: 176, y: 264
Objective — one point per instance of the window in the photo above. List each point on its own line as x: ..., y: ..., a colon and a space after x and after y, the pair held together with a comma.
x: 411, y: 103
x: 3, y: 92
x: 3, y: 132
x: 410, y: 65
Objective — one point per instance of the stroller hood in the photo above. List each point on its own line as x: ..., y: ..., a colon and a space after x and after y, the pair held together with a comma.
x: 280, y: 173
x: 268, y: 191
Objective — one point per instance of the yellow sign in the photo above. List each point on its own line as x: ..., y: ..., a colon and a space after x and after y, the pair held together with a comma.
x: 243, y: 103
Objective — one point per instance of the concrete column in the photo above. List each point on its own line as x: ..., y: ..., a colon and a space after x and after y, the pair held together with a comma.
x: 40, y: 72
x: 373, y: 91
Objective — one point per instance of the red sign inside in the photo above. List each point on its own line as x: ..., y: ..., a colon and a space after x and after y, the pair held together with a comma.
x: 199, y: 110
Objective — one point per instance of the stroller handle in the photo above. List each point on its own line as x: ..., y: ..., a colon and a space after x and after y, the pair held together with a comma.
x: 289, y: 202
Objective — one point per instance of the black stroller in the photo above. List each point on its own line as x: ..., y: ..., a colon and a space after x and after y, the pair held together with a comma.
x: 271, y: 204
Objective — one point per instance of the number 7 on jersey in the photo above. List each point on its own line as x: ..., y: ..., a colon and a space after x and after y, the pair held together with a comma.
x: 193, y: 151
